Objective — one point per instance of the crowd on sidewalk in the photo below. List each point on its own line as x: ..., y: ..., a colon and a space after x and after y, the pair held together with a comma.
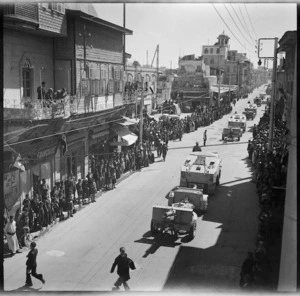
x: 270, y: 173
x: 48, y: 206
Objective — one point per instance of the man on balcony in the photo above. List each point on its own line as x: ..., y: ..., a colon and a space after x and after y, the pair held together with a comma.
x: 41, y: 91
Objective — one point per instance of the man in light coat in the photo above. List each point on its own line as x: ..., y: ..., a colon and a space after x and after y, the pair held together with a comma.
x: 10, y: 231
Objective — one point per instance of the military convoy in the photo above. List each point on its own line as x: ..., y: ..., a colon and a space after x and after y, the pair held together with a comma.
x: 199, y: 177
x: 237, y: 121
x: 250, y: 111
x: 203, y: 170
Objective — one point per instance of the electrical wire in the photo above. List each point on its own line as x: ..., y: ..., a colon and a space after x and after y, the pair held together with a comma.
x: 77, y: 129
x: 237, y: 26
x: 250, y: 22
x: 245, y: 22
x: 239, y: 20
x: 9, y: 145
x: 230, y: 30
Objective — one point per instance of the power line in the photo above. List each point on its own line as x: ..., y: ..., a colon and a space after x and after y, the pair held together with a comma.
x: 250, y: 21
x: 239, y: 19
x: 245, y: 22
x: 230, y: 30
x: 77, y: 129
x: 237, y: 25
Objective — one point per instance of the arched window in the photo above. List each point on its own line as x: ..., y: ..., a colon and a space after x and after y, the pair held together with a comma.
x: 27, y: 79
x: 218, y: 50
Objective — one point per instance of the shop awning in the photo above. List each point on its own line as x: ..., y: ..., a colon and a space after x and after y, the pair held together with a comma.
x: 224, y: 88
x: 128, y: 121
x: 128, y: 138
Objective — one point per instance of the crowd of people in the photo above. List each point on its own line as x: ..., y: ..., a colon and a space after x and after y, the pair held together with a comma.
x: 50, y: 97
x: 48, y: 206
x: 270, y: 173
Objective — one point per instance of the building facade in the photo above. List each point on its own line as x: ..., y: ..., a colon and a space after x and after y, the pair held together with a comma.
x: 215, y: 55
x: 81, y: 58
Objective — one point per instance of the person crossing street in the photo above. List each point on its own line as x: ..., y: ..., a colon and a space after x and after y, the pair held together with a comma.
x: 123, y: 264
x: 164, y: 151
x: 31, y: 266
x: 204, y: 137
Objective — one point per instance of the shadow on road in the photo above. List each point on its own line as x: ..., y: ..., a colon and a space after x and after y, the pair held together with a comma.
x: 214, y: 145
x: 25, y: 289
x: 160, y: 240
x: 212, y: 261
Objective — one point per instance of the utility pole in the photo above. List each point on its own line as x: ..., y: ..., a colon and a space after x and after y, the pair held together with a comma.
x: 219, y: 91
x: 273, y: 96
x: 141, y: 111
x: 124, y: 24
x: 84, y: 35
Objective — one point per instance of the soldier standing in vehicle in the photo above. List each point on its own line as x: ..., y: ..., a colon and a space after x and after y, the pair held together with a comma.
x: 197, y: 147
x: 204, y: 137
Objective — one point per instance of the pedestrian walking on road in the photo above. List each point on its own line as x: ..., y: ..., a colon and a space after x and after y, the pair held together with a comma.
x: 123, y: 264
x: 31, y: 266
x: 10, y: 230
x: 204, y: 137
x: 247, y: 271
x: 164, y: 151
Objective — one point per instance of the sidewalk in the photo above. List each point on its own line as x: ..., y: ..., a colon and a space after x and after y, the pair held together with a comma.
x: 44, y: 230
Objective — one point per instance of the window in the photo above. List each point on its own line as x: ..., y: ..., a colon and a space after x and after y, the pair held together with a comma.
x: 205, y: 50
x: 110, y: 72
x: 59, y: 7
x: 212, y: 61
x: 211, y: 50
x: 110, y: 86
x: 218, y: 50
x: 27, y: 79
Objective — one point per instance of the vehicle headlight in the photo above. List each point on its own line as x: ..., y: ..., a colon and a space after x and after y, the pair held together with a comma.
x: 171, y: 194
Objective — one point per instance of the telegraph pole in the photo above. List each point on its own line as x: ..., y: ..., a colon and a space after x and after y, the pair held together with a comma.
x: 273, y: 96
x: 141, y: 111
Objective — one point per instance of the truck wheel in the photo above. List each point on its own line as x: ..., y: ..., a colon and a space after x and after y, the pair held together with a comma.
x: 192, y: 231
x: 153, y: 229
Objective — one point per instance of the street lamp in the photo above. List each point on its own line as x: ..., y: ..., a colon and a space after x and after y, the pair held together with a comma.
x: 271, y: 128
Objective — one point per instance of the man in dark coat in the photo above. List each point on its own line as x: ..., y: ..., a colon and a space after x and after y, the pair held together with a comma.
x: 31, y: 266
x: 247, y: 269
x: 123, y: 263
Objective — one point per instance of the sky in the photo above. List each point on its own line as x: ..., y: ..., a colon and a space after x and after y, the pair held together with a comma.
x: 183, y: 28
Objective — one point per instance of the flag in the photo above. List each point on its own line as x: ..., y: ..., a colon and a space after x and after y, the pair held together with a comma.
x: 64, y: 144
x: 18, y: 163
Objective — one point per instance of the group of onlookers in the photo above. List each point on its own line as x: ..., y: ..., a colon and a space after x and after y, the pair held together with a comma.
x: 270, y: 173
x: 50, y: 205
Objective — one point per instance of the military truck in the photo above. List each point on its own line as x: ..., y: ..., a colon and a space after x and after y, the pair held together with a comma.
x: 203, y: 170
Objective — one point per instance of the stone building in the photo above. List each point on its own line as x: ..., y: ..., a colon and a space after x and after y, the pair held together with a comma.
x: 67, y: 46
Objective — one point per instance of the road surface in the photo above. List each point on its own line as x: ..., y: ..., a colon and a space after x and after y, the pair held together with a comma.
x: 77, y: 254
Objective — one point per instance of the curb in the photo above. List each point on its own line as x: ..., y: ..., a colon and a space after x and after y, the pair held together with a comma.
x: 40, y: 233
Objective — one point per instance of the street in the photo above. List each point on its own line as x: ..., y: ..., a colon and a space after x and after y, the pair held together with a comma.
x: 77, y: 254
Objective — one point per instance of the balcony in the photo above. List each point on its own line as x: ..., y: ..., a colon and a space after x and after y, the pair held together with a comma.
x: 23, y: 12
x: 33, y: 109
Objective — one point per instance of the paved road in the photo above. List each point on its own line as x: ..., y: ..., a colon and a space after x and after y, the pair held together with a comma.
x: 77, y: 254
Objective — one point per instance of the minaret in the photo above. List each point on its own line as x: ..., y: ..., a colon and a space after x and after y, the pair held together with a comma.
x: 223, y: 40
